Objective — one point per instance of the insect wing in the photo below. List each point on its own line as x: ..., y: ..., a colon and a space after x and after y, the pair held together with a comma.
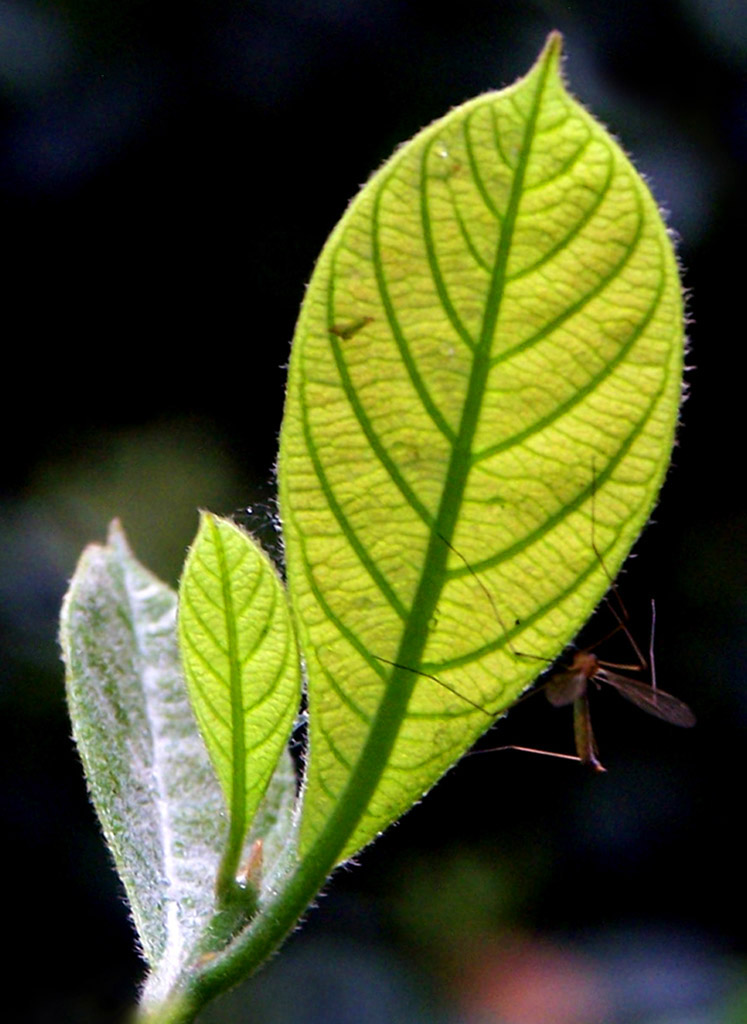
x: 565, y: 687
x: 655, y: 702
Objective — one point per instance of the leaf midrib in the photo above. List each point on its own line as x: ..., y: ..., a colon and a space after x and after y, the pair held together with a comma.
x: 434, y: 573
x: 237, y: 824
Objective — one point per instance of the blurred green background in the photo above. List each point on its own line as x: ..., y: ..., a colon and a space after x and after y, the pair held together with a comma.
x: 167, y: 178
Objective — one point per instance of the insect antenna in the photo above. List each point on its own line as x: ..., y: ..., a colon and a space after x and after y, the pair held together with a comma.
x: 484, y: 589
x: 446, y: 686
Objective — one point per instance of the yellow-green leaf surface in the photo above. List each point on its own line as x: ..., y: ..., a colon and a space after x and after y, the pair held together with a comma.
x: 241, y: 664
x: 488, y: 355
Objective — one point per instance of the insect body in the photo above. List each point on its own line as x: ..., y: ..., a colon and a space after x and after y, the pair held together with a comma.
x: 347, y: 331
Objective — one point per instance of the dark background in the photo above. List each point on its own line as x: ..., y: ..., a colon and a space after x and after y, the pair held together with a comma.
x: 168, y: 175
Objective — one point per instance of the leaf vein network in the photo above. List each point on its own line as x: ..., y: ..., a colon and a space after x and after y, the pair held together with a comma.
x: 574, y: 231
x: 377, y: 577
x: 377, y: 445
x: 475, y: 171
x: 418, y: 383
x: 432, y: 257
x: 188, y: 601
x: 577, y: 397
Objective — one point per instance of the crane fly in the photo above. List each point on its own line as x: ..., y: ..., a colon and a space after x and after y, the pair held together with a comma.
x: 571, y: 686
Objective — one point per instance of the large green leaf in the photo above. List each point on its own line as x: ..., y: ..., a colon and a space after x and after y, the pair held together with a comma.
x: 241, y: 664
x: 488, y: 356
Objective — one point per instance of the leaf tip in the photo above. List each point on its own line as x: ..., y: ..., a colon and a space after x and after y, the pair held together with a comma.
x: 552, y: 51
x: 116, y: 536
x: 207, y: 525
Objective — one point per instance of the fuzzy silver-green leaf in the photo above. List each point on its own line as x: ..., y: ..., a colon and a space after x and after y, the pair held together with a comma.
x: 148, y: 772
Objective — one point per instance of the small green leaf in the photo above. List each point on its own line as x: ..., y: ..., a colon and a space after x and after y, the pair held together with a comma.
x: 488, y: 356
x: 242, y: 668
x: 148, y: 772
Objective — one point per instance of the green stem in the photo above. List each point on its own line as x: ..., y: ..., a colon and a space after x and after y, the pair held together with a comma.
x: 175, y: 1011
x: 197, y: 986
